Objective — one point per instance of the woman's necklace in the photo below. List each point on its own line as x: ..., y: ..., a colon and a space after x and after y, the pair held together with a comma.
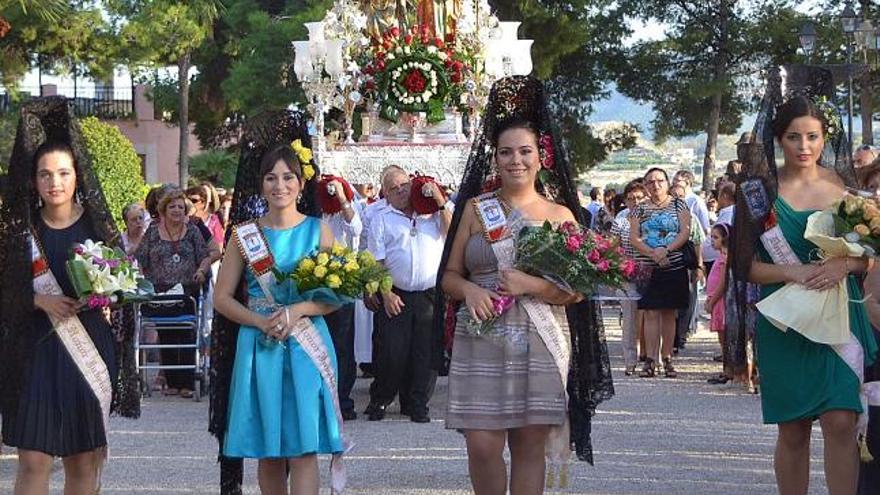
x: 175, y: 242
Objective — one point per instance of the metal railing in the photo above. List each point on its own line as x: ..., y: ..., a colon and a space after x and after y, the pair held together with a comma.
x: 108, y: 104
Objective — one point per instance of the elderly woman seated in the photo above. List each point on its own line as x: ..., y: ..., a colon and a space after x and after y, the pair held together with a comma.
x: 173, y: 252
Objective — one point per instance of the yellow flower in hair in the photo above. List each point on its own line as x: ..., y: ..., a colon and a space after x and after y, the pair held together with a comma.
x: 308, y: 172
x: 305, y: 157
x: 304, y: 154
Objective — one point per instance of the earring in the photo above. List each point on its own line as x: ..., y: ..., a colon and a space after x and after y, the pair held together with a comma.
x: 77, y: 197
x: 299, y: 197
x: 39, y: 201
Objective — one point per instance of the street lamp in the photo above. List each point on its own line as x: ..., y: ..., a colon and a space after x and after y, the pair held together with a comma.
x: 849, y: 20
x: 807, y: 37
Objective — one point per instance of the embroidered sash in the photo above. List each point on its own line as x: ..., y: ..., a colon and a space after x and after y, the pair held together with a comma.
x: 257, y: 255
x: 497, y: 232
x: 850, y: 351
x: 75, y: 338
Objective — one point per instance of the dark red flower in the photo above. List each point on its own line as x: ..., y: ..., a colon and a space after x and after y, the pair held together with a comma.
x: 456, y: 77
x: 457, y: 65
x: 395, y: 31
x: 415, y: 82
x: 380, y: 65
x: 408, y: 39
x: 5, y: 27
x: 450, y: 37
x: 439, y: 43
x: 371, y: 85
x: 548, y: 160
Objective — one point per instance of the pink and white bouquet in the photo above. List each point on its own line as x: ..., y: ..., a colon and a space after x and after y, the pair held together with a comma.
x: 102, y: 276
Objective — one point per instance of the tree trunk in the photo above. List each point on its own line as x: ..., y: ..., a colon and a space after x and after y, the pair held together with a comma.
x: 714, y: 122
x: 866, y: 98
x: 183, y: 64
x: 711, y: 143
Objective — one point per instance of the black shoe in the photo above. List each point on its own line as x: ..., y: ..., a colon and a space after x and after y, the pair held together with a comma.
x: 377, y: 413
x: 405, y: 410
x: 349, y: 415
x: 368, y: 370
x: 420, y: 418
x: 642, y: 359
x: 371, y: 407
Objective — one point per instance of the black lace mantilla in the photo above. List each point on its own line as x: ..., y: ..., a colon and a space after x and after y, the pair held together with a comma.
x: 260, y: 135
x: 41, y: 120
x: 525, y: 98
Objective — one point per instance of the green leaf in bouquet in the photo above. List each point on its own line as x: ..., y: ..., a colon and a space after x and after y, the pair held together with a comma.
x: 144, y: 286
x: 841, y: 226
x: 78, y: 274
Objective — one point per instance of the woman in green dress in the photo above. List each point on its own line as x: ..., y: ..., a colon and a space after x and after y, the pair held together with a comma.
x: 802, y: 380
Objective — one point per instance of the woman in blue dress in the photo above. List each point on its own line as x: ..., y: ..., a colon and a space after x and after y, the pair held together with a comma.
x: 280, y: 408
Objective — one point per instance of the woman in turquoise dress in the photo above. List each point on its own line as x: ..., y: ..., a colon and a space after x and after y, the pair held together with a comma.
x: 280, y: 408
x: 803, y: 380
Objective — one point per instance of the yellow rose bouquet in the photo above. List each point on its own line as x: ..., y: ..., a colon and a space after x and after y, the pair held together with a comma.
x: 339, y: 275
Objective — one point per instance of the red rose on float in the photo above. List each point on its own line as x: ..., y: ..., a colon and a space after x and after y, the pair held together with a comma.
x: 415, y: 82
x: 408, y: 39
x: 438, y: 43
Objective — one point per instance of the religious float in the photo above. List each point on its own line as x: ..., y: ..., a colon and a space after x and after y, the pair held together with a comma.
x: 417, y: 72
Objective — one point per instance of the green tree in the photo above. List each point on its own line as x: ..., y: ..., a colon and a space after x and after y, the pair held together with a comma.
x: 163, y: 32
x: 215, y: 166
x: 81, y: 45
x: 116, y: 163
x: 701, y: 77
x: 576, y: 50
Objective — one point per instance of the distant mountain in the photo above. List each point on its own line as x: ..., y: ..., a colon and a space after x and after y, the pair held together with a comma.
x: 618, y: 107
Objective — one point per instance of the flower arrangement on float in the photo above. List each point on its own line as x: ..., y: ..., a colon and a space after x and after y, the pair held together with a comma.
x: 409, y: 71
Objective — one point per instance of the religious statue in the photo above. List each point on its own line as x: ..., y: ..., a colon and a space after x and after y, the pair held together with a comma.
x: 440, y: 16
x: 385, y: 14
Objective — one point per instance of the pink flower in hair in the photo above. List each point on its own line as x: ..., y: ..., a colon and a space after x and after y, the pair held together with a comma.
x: 548, y: 160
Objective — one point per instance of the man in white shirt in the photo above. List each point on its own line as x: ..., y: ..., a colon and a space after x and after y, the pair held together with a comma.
x: 367, y: 205
x: 346, y: 227
x: 595, y: 205
x: 411, y: 247
x: 700, y: 215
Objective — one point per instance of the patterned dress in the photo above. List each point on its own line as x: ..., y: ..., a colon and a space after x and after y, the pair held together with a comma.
x: 507, y: 378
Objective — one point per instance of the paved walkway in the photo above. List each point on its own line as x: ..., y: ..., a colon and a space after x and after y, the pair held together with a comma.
x: 674, y: 437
